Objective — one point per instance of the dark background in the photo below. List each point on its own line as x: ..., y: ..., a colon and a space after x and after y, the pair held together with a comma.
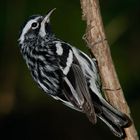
x: 26, y: 113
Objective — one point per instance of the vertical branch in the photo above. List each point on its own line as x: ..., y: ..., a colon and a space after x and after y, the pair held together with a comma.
x: 96, y: 39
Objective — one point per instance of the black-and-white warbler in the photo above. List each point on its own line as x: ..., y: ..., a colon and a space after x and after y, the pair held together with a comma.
x: 67, y: 74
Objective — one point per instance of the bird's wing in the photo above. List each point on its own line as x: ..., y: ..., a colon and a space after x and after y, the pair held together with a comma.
x: 74, y: 83
x: 76, y: 91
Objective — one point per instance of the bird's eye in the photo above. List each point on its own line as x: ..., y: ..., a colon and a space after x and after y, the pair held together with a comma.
x: 35, y: 25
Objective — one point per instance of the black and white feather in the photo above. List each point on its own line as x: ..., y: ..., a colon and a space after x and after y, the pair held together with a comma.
x: 67, y: 74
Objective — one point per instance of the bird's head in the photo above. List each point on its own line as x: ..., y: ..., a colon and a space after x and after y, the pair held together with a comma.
x: 35, y: 26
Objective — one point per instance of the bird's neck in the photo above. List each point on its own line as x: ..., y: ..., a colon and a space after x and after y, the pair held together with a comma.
x: 50, y: 36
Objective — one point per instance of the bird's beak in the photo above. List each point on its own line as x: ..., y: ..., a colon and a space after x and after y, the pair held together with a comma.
x: 44, y: 21
x: 47, y: 17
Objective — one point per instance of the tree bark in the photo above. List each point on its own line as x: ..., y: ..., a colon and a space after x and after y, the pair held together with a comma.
x: 97, y: 42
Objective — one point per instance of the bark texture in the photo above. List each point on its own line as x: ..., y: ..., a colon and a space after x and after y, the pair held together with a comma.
x: 97, y: 42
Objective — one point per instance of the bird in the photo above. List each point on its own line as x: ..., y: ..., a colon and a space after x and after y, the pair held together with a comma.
x: 67, y: 74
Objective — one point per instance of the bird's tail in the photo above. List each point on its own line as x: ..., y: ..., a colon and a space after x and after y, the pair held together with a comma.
x: 113, y: 118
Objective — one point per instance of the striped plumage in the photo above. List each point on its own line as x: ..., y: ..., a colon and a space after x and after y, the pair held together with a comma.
x: 67, y: 74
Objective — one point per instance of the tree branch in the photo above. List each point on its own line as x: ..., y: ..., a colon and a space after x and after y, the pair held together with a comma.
x: 97, y: 42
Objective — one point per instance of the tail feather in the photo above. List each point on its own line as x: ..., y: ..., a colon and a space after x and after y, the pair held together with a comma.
x: 116, y: 130
x: 114, y: 119
x: 115, y: 116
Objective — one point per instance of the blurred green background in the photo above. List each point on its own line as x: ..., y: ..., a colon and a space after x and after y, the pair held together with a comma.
x: 26, y: 113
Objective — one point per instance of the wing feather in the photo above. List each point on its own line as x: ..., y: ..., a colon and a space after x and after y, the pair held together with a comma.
x: 78, y: 93
x: 74, y: 88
